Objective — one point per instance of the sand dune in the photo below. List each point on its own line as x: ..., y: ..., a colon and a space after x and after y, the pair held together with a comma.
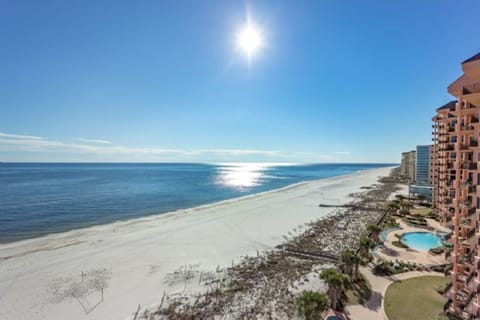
x: 60, y: 276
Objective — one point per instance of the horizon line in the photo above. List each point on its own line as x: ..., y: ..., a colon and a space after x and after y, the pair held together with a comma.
x: 193, y: 162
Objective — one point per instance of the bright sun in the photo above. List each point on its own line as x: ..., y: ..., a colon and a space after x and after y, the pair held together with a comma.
x: 249, y: 40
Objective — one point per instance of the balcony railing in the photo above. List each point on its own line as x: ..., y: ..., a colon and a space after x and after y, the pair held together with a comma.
x: 466, y: 222
x: 469, y: 165
x: 468, y: 303
x: 472, y: 189
x: 471, y: 88
x: 471, y: 308
x: 471, y: 233
x: 471, y: 212
x: 467, y: 183
x: 467, y: 127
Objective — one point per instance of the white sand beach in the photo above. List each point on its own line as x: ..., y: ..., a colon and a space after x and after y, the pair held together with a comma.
x: 137, y: 256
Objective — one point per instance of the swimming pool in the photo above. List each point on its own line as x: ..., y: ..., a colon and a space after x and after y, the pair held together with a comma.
x: 423, y: 241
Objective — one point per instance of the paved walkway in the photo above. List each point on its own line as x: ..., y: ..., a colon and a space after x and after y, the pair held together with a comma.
x: 373, y: 308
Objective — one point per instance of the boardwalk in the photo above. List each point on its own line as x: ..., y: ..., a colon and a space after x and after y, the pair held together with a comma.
x: 319, y: 255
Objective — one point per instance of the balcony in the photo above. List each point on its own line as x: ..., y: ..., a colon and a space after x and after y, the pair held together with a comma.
x: 472, y: 307
x: 467, y: 183
x: 470, y: 281
x: 466, y: 222
x: 467, y: 128
x: 469, y: 305
x: 471, y: 93
x: 446, y: 201
x: 469, y: 165
x: 471, y: 212
x: 472, y: 189
x: 470, y: 235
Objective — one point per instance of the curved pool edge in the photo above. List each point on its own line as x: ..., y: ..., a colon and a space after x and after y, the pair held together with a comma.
x: 417, y: 241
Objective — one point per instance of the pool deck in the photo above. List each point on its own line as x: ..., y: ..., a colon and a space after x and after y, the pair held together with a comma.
x: 390, y: 252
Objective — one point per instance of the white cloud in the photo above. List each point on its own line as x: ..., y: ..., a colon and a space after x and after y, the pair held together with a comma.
x: 102, y: 147
x: 93, y: 141
x: 342, y: 152
x: 102, y: 150
x: 18, y: 136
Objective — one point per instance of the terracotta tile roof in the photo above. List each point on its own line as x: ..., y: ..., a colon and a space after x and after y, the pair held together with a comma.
x: 449, y: 106
x: 475, y: 57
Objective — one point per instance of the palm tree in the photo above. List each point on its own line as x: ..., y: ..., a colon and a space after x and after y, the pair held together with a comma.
x: 347, y: 259
x: 311, y: 304
x: 357, y: 260
x: 406, y: 205
x: 393, y: 206
x: 421, y: 198
x: 350, y: 262
x: 375, y: 232
x: 336, y: 283
x: 366, y: 244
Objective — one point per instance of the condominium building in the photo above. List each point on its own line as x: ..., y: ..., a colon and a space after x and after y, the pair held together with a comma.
x: 456, y: 174
x: 403, y: 164
x: 442, y: 169
x: 422, y: 165
x: 407, y: 165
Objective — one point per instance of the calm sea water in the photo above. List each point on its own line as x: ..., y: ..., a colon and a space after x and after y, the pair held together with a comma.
x: 38, y: 199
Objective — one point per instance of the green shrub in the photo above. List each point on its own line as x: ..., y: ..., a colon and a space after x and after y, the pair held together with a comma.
x: 383, y: 269
x: 441, y: 288
x: 312, y: 304
x: 438, y: 250
x: 400, y: 244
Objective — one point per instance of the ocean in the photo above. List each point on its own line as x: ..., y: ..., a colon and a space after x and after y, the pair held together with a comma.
x: 42, y: 198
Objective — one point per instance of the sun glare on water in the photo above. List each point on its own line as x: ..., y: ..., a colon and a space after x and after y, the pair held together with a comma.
x: 241, y: 176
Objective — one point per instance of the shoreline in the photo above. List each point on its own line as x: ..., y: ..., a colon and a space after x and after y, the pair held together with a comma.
x: 268, y: 284
x: 141, y: 255
x: 155, y: 216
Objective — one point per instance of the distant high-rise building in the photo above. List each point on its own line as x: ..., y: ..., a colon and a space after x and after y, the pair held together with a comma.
x: 407, y: 165
x: 422, y: 165
x: 403, y: 164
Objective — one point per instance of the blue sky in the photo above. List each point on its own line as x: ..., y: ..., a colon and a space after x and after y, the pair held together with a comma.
x: 336, y: 81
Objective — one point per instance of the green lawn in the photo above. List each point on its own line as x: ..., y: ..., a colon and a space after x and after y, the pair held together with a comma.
x: 415, y: 299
